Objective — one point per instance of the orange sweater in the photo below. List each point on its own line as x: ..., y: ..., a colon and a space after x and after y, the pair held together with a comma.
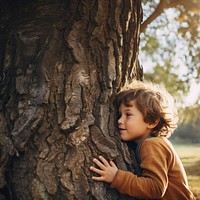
x: 163, y: 175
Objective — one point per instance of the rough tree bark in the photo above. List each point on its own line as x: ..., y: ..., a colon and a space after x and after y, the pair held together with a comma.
x: 61, y: 64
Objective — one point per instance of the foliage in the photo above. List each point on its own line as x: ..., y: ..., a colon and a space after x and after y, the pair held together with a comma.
x: 189, y: 132
x: 170, y: 36
x: 190, y: 115
x: 188, y: 129
x: 189, y: 19
x: 163, y: 74
x: 170, y: 49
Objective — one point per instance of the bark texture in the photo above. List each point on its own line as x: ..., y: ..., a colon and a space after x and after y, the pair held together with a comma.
x: 62, y: 62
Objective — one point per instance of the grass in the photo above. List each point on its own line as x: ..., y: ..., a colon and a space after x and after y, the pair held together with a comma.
x: 190, y: 157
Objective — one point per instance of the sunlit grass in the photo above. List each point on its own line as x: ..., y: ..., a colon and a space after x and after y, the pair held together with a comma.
x: 190, y: 157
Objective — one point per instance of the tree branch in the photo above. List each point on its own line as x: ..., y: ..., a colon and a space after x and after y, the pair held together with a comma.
x: 187, y: 4
x: 163, y: 4
x: 159, y: 9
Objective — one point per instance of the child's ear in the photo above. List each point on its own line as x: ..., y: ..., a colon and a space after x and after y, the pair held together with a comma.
x: 154, y: 124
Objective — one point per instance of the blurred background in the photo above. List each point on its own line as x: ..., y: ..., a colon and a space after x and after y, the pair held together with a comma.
x: 170, y: 54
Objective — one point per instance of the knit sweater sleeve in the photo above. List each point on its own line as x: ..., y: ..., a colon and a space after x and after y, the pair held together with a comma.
x: 154, y: 180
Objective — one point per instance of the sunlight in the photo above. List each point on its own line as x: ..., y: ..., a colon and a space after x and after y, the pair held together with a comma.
x: 193, y: 94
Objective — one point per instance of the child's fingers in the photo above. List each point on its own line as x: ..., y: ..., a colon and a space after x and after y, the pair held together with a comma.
x: 95, y: 178
x: 112, y: 164
x: 99, y: 164
x: 98, y: 171
x: 105, y: 162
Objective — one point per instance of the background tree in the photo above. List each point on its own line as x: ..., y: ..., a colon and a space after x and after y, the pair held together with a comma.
x: 170, y: 42
x: 170, y: 48
x: 61, y: 63
x: 188, y: 130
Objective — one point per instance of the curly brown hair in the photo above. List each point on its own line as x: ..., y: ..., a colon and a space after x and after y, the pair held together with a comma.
x: 154, y: 102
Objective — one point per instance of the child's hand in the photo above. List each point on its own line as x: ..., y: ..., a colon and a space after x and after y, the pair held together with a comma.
x: 107, y: 170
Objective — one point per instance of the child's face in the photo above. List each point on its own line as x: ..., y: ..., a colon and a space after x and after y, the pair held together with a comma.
x: 131, y: 123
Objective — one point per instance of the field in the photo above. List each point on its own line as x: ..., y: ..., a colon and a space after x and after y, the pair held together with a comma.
x: 190, y: 156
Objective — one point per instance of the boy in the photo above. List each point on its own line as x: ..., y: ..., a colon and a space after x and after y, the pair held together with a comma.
x: 146, y: 117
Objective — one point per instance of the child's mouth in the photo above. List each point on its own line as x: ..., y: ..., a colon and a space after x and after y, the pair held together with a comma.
x: 121, y: 129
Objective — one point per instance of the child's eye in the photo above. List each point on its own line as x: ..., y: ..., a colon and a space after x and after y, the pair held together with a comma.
x: 128, y: 114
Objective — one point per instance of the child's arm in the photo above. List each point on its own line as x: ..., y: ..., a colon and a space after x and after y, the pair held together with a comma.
x: 152, y: 184
x: 107, y: 170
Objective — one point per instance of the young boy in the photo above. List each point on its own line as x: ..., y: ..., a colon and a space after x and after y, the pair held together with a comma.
x: 147, y: 116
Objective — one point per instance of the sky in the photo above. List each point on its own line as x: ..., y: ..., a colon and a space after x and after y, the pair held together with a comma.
x: 193, y: 95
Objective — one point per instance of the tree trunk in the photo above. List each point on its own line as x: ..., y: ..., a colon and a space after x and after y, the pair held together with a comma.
x: 62, y: 62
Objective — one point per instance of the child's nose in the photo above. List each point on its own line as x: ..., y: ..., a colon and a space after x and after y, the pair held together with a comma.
x: 120, y: 121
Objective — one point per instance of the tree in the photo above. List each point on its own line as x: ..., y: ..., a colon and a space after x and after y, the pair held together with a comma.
x: 62, y: 62
x: 170, y: 43
x: 170, y: 40
x: 188, y: 130
x: 187, y: 10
